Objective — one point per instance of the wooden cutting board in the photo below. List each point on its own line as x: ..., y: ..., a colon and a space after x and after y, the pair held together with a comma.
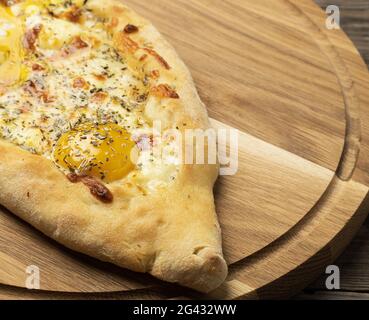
x: 299, y: 95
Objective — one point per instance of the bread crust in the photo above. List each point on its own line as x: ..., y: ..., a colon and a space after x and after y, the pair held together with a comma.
x: 173, y: 235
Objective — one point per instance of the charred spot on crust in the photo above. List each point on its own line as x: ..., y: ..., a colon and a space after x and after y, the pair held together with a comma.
x: 97, y: 188
x: 158, y: 57
x: 164, y: 91
x: 130, y: 28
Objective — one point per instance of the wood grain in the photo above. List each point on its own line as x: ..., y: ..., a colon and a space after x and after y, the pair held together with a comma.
x: 354, y: 263
x: 297, y: 94
x: 354, y: 21
x: 353, y: 266
x: 251, y: 205
x: 275, y: 98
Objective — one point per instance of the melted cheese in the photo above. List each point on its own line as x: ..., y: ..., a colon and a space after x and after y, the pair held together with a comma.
x: 56, y: 33
x: 53, y: 95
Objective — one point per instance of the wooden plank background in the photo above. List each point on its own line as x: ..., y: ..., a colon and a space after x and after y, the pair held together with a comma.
x: 354, y: 263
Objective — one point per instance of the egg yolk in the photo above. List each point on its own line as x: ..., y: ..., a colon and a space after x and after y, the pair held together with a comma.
x: 102, y: 151
x: 11, y: 54
x: 12, y: 70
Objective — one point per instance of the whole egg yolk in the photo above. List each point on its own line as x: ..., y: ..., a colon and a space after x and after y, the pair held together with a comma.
x: 102, y: 151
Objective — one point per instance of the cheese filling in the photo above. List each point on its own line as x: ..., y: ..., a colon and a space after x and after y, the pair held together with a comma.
x: 68, y: 95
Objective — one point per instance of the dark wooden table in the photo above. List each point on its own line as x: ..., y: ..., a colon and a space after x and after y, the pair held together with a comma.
x: 354, y: 262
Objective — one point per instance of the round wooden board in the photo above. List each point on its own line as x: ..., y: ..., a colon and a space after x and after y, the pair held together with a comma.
x: 299, y: 95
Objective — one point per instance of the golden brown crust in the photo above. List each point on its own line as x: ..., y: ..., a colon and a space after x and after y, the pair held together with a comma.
x: 174, y: 235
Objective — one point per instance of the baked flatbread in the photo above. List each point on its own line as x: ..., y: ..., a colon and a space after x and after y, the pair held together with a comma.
x: 82, y: 85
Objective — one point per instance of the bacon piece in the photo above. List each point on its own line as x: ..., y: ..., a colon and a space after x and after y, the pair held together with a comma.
x: 30, y: 38
x: 99, y: 77
x: 73, y: 15
x: 164, y: 91
x: 37, y: 67
x: 76, y: 44
x: 130, y: 28
x: 46, y: 98
x: 32, y: 88
x: 99, y: 97
x: 158, y: 57
x: 97, y: 188
x: 74, y: 178
x: 80, y: 83
x: 155, y: 74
